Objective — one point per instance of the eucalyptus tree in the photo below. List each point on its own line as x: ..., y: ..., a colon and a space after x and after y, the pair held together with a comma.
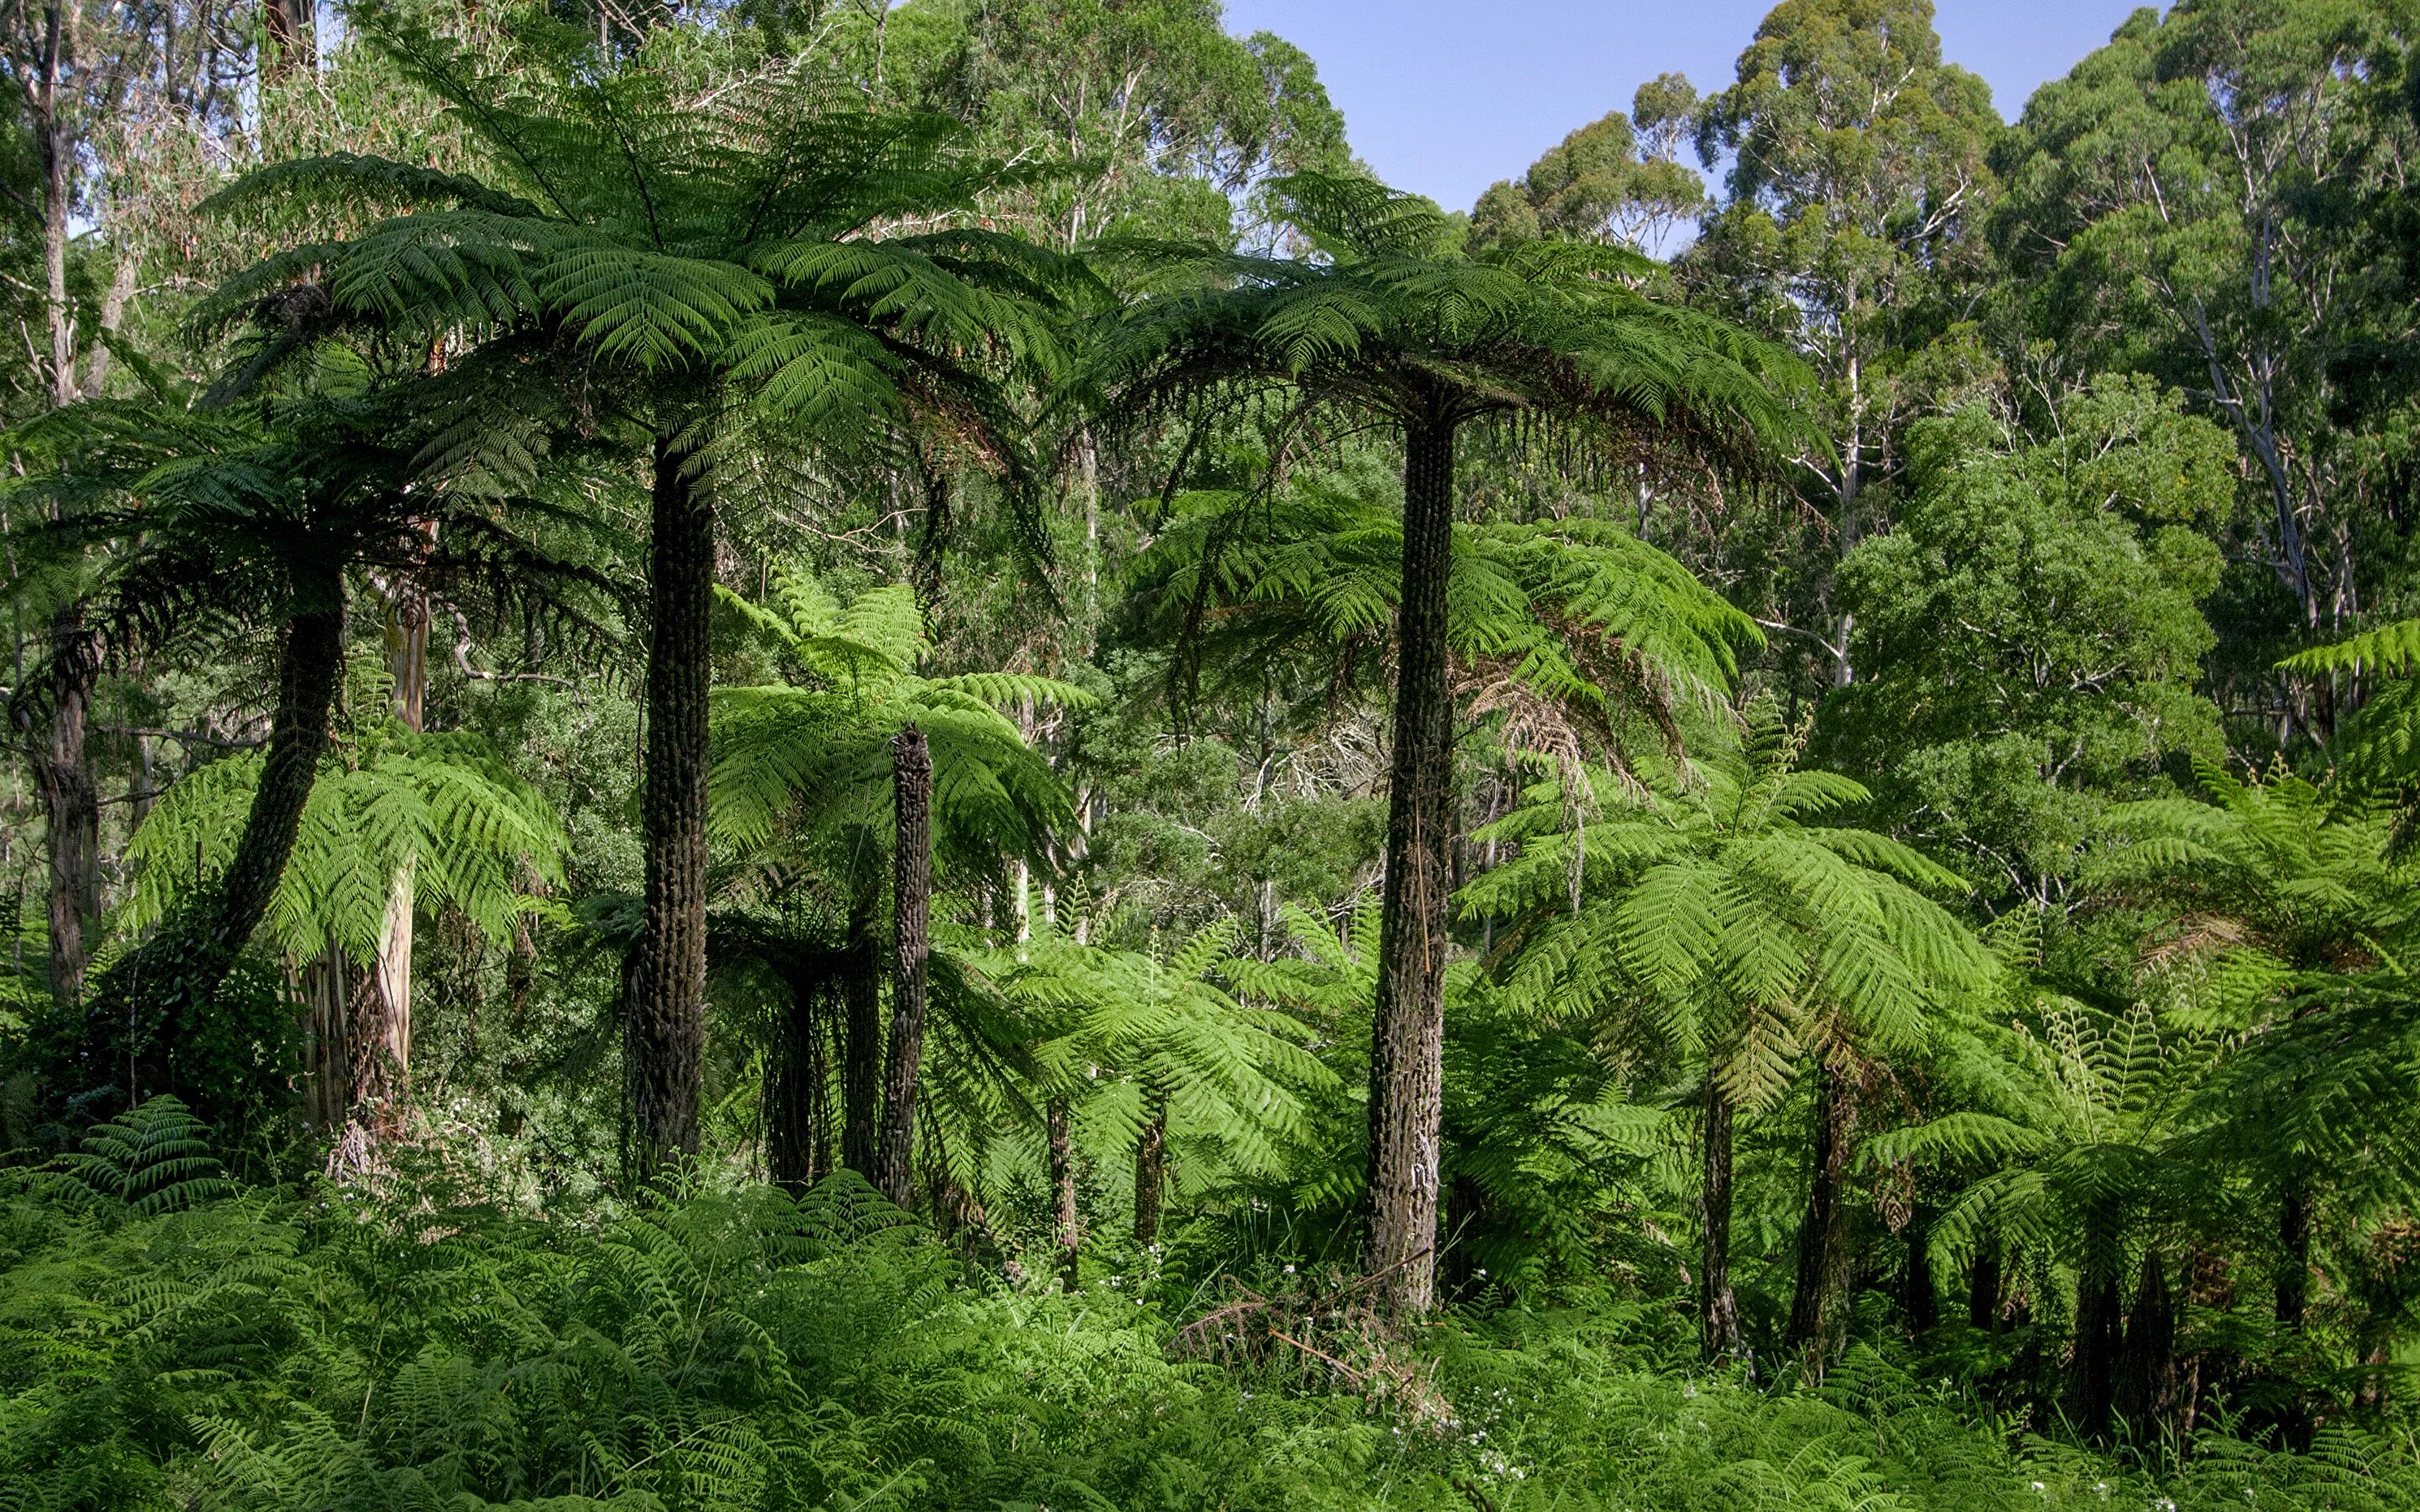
x: 679, y: 245
x: 859, y: 759
x: 1713, y: 915
x: 1390, y: 324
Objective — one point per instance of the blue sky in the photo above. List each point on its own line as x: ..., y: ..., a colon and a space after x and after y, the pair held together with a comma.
x: 1445, y: 97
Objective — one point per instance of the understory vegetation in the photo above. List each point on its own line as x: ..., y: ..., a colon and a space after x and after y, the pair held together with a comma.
x: 895, y: 756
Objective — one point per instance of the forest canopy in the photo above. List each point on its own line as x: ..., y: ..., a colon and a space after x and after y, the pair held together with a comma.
x: 877, y: 755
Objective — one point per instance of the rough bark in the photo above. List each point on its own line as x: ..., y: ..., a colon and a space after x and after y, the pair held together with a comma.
x: 860, y: 1073
x: 1407, y: 1036
x: 1719, y: 1308
x: 1067, y: 1232
x: 1823, y: 1234
x: 54, y: 143
x: 798, y: 1149
x: 71, y: 807
x: 309, y: 665
x: 911, y: 854
x: 289, y: 48
x: 1151, y: 1169
x: 663, y: 1017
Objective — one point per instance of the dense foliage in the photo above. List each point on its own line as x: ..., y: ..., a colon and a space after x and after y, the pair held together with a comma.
x: 893, y: 756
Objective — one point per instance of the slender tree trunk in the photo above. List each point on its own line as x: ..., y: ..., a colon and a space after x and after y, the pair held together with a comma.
x: 664, y: 1017
x: 798, y: 1148
x: 2294, y: 1259
x: 1067, y: 1228
x: 73, y: 808
x: 326, y: 1040
x: 310, y: 664
x: 407, y: 650
x: 56, y: 145
x: 1824, y: 1236
x: 911, y: 764
x: 1151, y: 1168
x: 1407, y: 1036
x: 1719, y: 1307
x: 289, y: 49
x: 860, y: 1070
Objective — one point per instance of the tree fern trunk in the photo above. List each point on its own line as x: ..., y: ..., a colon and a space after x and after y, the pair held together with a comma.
x: 1408, y: 1035
x: 1151, y: 1167
x: 310, y: 662
x: 1067, y: 1228
x: 2147, y: 1371
x: 797, y: 1147
x: 663, y: 1018
x: 2099, y: 1334
x: 861, y: 1072
x: 911, y: 765
x: 1720, y: 1308
x: 1823, y: 1235
x: 72, y: 808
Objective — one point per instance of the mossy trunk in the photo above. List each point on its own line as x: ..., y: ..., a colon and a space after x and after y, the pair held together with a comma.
x: 663, y: 1015
x: 911, y: 853
x: 1407, y: 1036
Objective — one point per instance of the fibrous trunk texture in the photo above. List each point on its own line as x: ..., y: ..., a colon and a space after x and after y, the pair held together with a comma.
x: 1407, y: 1036
x: 72, y: 808
x: 1720, y: 1308
x: 1067, y: 1229
x: 798, y: 1149
x: 1823, y: 1235
x: 1150, y: 1168
x: 663, y: 1017
x: 309, y: 664
x: 911, y: 764
x: 2146, y: 1370
x: 2099, y: 1325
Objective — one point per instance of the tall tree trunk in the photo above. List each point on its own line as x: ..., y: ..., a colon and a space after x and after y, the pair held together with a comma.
x: 73, y: 808
x: 326, y: 1040
x: 2294, y: 1257
x: 1823, y: 1235
x: 56, y: 144
x: 861, y: 1068
x: 798, y: 1148
x: 1720, y: 1308
x: 664, y: 1020
x: 1151, y: 1168
x: 911, y: 854
x: 289, y: 48
x: 1408, y: 1035
x: 1068, y: 1231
